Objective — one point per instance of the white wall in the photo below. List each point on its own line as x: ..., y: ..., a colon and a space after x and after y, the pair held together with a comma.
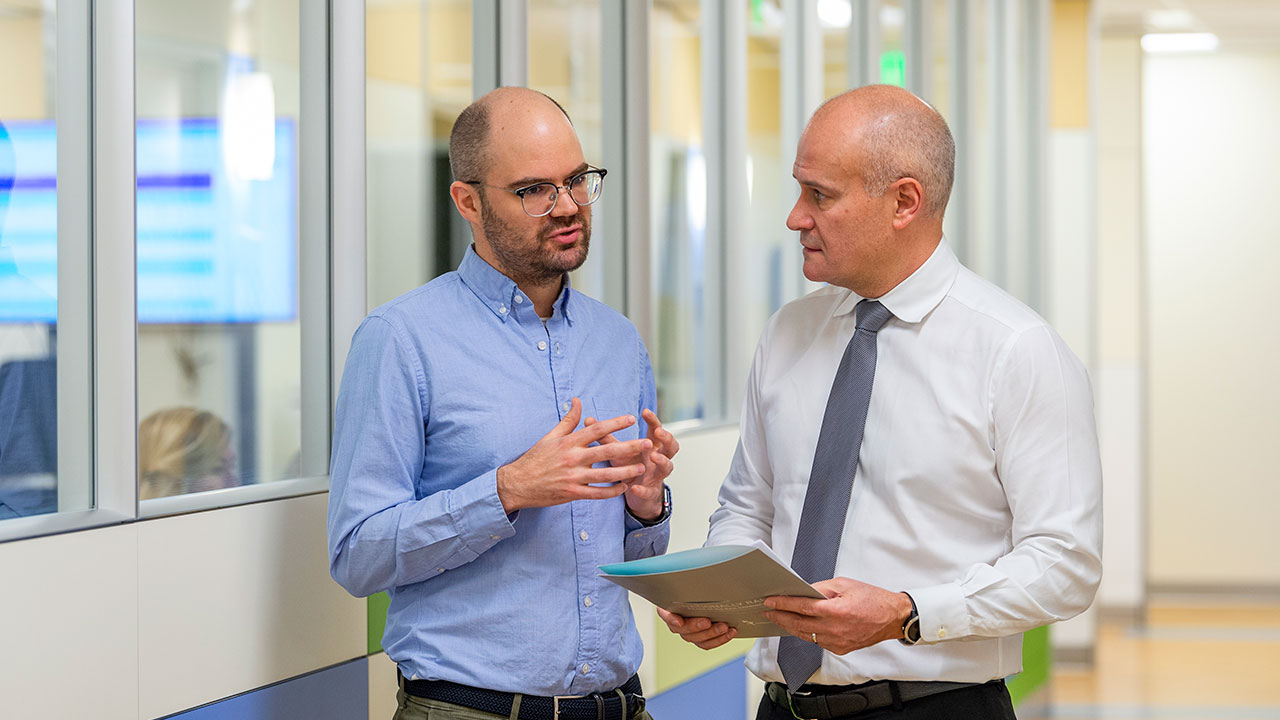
x: 1118, y: 376
x: 154, y: 617
x: 1210, y: 155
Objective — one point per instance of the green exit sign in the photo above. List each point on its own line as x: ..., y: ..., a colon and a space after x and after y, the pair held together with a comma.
x: 893, y: 68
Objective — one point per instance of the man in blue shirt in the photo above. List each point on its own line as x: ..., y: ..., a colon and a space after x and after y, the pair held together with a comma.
x: 471, y: 479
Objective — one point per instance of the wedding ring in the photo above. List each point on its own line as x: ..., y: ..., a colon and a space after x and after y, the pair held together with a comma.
x: 815, y: 637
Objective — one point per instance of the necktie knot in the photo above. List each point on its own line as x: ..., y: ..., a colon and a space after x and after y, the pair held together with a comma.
x: 872, y: 315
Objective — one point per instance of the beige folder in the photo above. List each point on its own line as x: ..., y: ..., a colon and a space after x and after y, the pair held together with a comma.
x: 726, y: 583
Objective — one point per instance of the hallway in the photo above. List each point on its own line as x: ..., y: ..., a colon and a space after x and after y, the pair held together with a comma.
x: 1195, y: 660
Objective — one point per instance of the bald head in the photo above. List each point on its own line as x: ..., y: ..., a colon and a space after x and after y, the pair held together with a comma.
x: 470, y: 152
x: 897, y: 135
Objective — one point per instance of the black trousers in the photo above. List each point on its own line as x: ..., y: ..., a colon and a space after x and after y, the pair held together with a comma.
x: 978, y: 702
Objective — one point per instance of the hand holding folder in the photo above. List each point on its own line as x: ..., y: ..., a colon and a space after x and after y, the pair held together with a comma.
x: 726, y: 583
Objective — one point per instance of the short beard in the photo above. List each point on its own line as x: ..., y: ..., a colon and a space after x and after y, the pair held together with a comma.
x: 537, y: 266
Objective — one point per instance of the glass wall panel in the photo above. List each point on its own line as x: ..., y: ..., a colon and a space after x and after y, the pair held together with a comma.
x: 564, y: 62
x: 29, y: 265
x: 772, y: 251
x: 679, y: 206
x: 418, y: 78
x: 219, y: 378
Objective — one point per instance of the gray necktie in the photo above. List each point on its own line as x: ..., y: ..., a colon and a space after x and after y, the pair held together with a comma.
x: 831, y: 480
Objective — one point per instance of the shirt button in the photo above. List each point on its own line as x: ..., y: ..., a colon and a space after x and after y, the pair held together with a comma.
x: 564, y: 407
x: 439, y: 570
x: 583, y: 535
x: 942, y: 632
x: 495, y: 537
x: 587, y: 601
x: 502, y: 309
x: 586, y: 668
x: 542, y: 344
x: 519, y: 299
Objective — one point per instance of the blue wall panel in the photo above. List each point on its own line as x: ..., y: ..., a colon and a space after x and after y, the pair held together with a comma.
x: 719, y: 694
x: 337, y: 693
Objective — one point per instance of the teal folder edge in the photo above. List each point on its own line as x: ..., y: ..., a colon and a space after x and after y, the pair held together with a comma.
x: 677, y: 561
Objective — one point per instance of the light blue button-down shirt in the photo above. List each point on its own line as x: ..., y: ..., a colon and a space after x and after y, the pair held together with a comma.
x: 442, y: 386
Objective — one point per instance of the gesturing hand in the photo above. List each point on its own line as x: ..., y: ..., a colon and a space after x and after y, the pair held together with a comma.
x: 854, y: 615
x: 557, y: 469
x: 644, y: 495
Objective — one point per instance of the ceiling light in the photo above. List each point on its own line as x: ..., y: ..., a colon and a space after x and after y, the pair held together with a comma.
x: 1179, y: 42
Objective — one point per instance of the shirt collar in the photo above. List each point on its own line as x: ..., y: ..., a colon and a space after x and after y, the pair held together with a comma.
x: 917, y: 296
x: 498, y: 292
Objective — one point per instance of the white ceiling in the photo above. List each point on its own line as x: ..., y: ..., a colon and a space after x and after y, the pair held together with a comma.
x: 1237, y: 23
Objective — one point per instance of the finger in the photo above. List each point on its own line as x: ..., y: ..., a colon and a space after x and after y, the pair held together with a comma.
x: 700, y: 636
x: 599, y: 492
x: 569, y: 421
x: 712, y: 644
x: 799, y: 625
x: 622, y: 475
x: 717, y: 642
x: 634, y: 449
x: 674, y: 622
x: 603, y: 428
x: 604, y: 440
x: 662, y: 465
x: 662, y: 437
x: 830, y: 588
x: 794, y: 604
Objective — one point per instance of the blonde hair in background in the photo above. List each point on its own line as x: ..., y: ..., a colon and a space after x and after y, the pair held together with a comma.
x: 183, y: 450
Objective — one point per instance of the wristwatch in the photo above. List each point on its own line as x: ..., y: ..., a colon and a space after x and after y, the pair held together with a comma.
x: 666, y: 509
x: 911, y: 627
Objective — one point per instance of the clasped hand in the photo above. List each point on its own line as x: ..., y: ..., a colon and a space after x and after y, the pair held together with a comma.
x: 558, y: 468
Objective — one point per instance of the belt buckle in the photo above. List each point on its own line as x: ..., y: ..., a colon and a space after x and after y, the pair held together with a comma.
x: 555, y: 704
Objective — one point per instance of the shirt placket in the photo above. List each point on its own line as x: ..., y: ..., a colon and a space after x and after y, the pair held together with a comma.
x: 581, y: 514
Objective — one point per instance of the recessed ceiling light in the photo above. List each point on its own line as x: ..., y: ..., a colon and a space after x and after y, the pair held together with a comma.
x: 1179, y: 42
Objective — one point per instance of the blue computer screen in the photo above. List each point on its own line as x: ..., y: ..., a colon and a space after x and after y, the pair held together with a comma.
x: 212, y: 245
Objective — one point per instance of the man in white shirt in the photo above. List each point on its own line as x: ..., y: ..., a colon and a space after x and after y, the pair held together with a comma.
x: 975, y: 511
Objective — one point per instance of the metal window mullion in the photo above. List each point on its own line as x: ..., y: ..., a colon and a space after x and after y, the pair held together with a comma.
x: 114, y: 251
x: 864, y: 43
x: 960, y: 215
x: 917, y: 49
x: 499, y: 44
x: 802, y: 91
x: 724, y: 101
x: 73, y: 112
x: 1037, y: 155
x: 993, y: 266
x: 345, y: 146
x: 625, y: 114
x: 313, y: 238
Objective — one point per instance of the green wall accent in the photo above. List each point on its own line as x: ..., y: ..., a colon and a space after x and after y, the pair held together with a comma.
x: 1037, y: 661
x: 377, y: 620
x: 677, y: 661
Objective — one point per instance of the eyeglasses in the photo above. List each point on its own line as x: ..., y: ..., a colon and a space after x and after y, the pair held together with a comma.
x: 540, y: 199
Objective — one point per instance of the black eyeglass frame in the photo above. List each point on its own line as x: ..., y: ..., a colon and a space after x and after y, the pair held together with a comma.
x: 521, y: 192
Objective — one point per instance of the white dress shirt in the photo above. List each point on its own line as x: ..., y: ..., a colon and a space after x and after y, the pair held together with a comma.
x: 978, y: 488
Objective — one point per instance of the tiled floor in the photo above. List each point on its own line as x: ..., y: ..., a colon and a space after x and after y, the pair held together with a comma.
x: 1192, y: 661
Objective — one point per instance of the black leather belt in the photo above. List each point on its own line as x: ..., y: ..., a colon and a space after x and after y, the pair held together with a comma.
x: 619, y: 704
x: 838, y: 701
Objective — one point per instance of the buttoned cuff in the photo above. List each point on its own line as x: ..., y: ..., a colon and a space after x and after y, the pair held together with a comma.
x: 942, y: 611
x: 642, y: 540
x: 477, y: 514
